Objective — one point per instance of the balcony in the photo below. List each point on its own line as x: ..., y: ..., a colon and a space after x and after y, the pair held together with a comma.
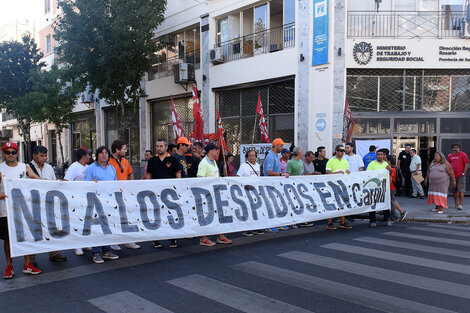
x: 165, y: 68
x: 405, y: 24
x: 267, y: 41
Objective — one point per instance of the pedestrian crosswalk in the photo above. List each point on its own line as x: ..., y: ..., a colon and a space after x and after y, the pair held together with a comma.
x: 362, y: 261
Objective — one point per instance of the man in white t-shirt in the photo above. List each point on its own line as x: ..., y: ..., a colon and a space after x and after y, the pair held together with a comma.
x: 11, y: 168
x: 76, y: 172
x: 356, y: 164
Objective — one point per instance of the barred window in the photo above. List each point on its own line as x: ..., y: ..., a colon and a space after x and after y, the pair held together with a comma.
x: 408, y: 90
x: 161, y: 121
x: 238, y: 111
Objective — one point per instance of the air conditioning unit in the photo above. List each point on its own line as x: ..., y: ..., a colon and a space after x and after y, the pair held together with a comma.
x: 217, y: 55
x: 184, y: 73
x: 465, y: 31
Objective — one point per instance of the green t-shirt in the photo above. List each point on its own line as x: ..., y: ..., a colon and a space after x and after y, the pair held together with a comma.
x: 374, y: 165
x: 207, y: 168
x: 295, y: 167
x: 334, y: 165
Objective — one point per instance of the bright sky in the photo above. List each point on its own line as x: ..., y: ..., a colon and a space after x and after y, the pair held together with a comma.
x: 11, y: 10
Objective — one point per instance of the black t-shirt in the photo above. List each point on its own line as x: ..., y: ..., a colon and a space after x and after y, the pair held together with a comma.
x: 192, y: 171
x: 163, y: 169
x: 182, y: 161
x: 320, y: 165
x: 405, y: 161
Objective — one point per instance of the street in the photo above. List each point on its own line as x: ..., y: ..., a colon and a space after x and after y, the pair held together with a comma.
x: 410, y: 267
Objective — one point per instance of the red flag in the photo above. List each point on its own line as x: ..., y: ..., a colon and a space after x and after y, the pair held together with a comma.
x: 220, y: 130
x: 198, y: 131
x: 177, y: 128
x: 348, y: 123
x: 262, y: 121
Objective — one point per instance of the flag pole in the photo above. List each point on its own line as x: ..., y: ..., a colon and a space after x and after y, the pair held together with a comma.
x: 254, y: 131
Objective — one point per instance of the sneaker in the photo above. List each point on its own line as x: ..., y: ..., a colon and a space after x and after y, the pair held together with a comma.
x: 403, y: 215
x: 132, y: 245
x: 97, y: 258
x: 257, y: 232
x: 247, y: 233
x: 373, y: 225
x: 295, y: 226
x: 272, y: 230
x: 206, y: 242
x: 282, y: 228
x: 9, y: 272
x: 173, y: 244
x: 78, y: 251
x: 116, y: 247
x: 109, y: 255
x: 460, y: 207
x: 440, y: 212
x: 30, y: 269
x: 388, y: 223
x: 421, y: 197
x: 345, y: 226
x: 157, y: 244
x: 223, y: 240
x: 306, y: 225
x: 58, y: 258
x: 330, y: 226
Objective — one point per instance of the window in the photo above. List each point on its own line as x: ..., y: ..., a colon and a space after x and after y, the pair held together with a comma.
x: 132, y: 134
x: 48, y: 44
x: 289, y: 12
x: 84, y: 132
x: 47, y: 6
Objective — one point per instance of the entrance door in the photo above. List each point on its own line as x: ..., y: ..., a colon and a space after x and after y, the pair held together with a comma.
x: 446, y: 148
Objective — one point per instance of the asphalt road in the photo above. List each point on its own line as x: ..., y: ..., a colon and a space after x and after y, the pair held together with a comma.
x: 410, y: 267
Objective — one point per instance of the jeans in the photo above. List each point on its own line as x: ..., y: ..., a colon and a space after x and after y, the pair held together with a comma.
x: 417, y: 188
x: 100, y: 249
x: 372, y: 217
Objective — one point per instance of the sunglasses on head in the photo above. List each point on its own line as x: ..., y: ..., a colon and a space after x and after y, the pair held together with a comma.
x: 11, y: 152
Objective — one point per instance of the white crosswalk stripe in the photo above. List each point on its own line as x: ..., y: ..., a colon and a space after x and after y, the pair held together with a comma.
x: 441, y: 231
x: 465, y: 243
x: 235, y: 297
x: 445, y: 226
x: 367, y: 298
x: 125, y: 302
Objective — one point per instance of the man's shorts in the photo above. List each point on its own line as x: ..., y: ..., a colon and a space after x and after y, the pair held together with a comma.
x: 461, y: 185
x: 3, y: 228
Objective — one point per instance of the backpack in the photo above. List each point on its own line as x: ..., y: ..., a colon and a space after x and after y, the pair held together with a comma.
x: 400, y: 180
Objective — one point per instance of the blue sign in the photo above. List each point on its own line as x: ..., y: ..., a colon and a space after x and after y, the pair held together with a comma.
x: 321, y: 124
x: 320, y: 32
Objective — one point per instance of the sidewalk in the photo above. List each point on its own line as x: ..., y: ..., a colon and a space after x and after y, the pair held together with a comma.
x: 418, y: 211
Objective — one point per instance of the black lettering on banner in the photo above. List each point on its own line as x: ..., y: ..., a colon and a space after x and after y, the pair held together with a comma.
x: 262, y: 191
x: 355, y: 188
x: 198, y: 194
x: 255, y: 203
x: 141, y: 196
x: 95, y: 204
x: 281, y: 210
x: 323, y: 196
x: 367, y: 200
x: 64, y: 214
x: 302, y: 189
x: 33, y: 219
x: 125, y: 226
x: 220, y: 204
x: 243, y: 216
x: 179, y: 221
x: 298, y: 209
x: 340, y: 191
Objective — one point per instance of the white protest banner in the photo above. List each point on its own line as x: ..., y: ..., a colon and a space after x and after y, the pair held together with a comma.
x: 52, y: 215
x: 261, y: 148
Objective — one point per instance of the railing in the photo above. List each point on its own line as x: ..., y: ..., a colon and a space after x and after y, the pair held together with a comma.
x: 165, y: 68
x: 270, y: 40
x: 405, y: 24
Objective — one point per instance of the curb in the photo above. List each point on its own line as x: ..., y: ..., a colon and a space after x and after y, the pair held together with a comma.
x: 443, y: 219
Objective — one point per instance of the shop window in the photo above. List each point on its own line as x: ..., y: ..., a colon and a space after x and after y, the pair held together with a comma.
x: 132, y: 135
x: 455, y: 125
x: 415, y: 125
x: 83, y: 132
x: 371, y: 126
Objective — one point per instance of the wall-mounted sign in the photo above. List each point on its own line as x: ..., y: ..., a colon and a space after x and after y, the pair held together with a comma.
x: 320, y: 32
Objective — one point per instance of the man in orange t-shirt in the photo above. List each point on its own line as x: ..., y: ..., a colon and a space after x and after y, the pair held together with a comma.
x: 123, y: 172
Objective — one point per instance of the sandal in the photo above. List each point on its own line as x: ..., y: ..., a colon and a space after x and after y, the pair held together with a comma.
x: 435, y: 210
x: 440, y: 212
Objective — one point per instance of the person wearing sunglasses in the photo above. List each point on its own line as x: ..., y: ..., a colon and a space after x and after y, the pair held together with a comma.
x: 182, y: 146
x: 123, y: 172
x: 11, y: 168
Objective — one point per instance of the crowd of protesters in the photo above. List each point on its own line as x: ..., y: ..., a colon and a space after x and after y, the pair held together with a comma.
x: 185, y: 160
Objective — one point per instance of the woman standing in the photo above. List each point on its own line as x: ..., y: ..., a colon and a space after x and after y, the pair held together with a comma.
x: 438, y: 179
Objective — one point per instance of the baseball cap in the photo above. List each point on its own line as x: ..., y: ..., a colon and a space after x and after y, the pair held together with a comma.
x: 210, y: 146
x: 81, y: 152
x: 183, y: 140
x: 339, y: 147
x: 285, y: 150
x: 278, y: 141
x: 10, y: 145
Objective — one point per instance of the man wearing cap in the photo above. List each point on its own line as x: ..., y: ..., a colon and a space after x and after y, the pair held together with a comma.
x: 338, y: 165
x: 11, y: 168
x: 124, y: 171
x: 76, y: 172
x: 182, y: 146
x: 208, y: 168
x: 285, y: 154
